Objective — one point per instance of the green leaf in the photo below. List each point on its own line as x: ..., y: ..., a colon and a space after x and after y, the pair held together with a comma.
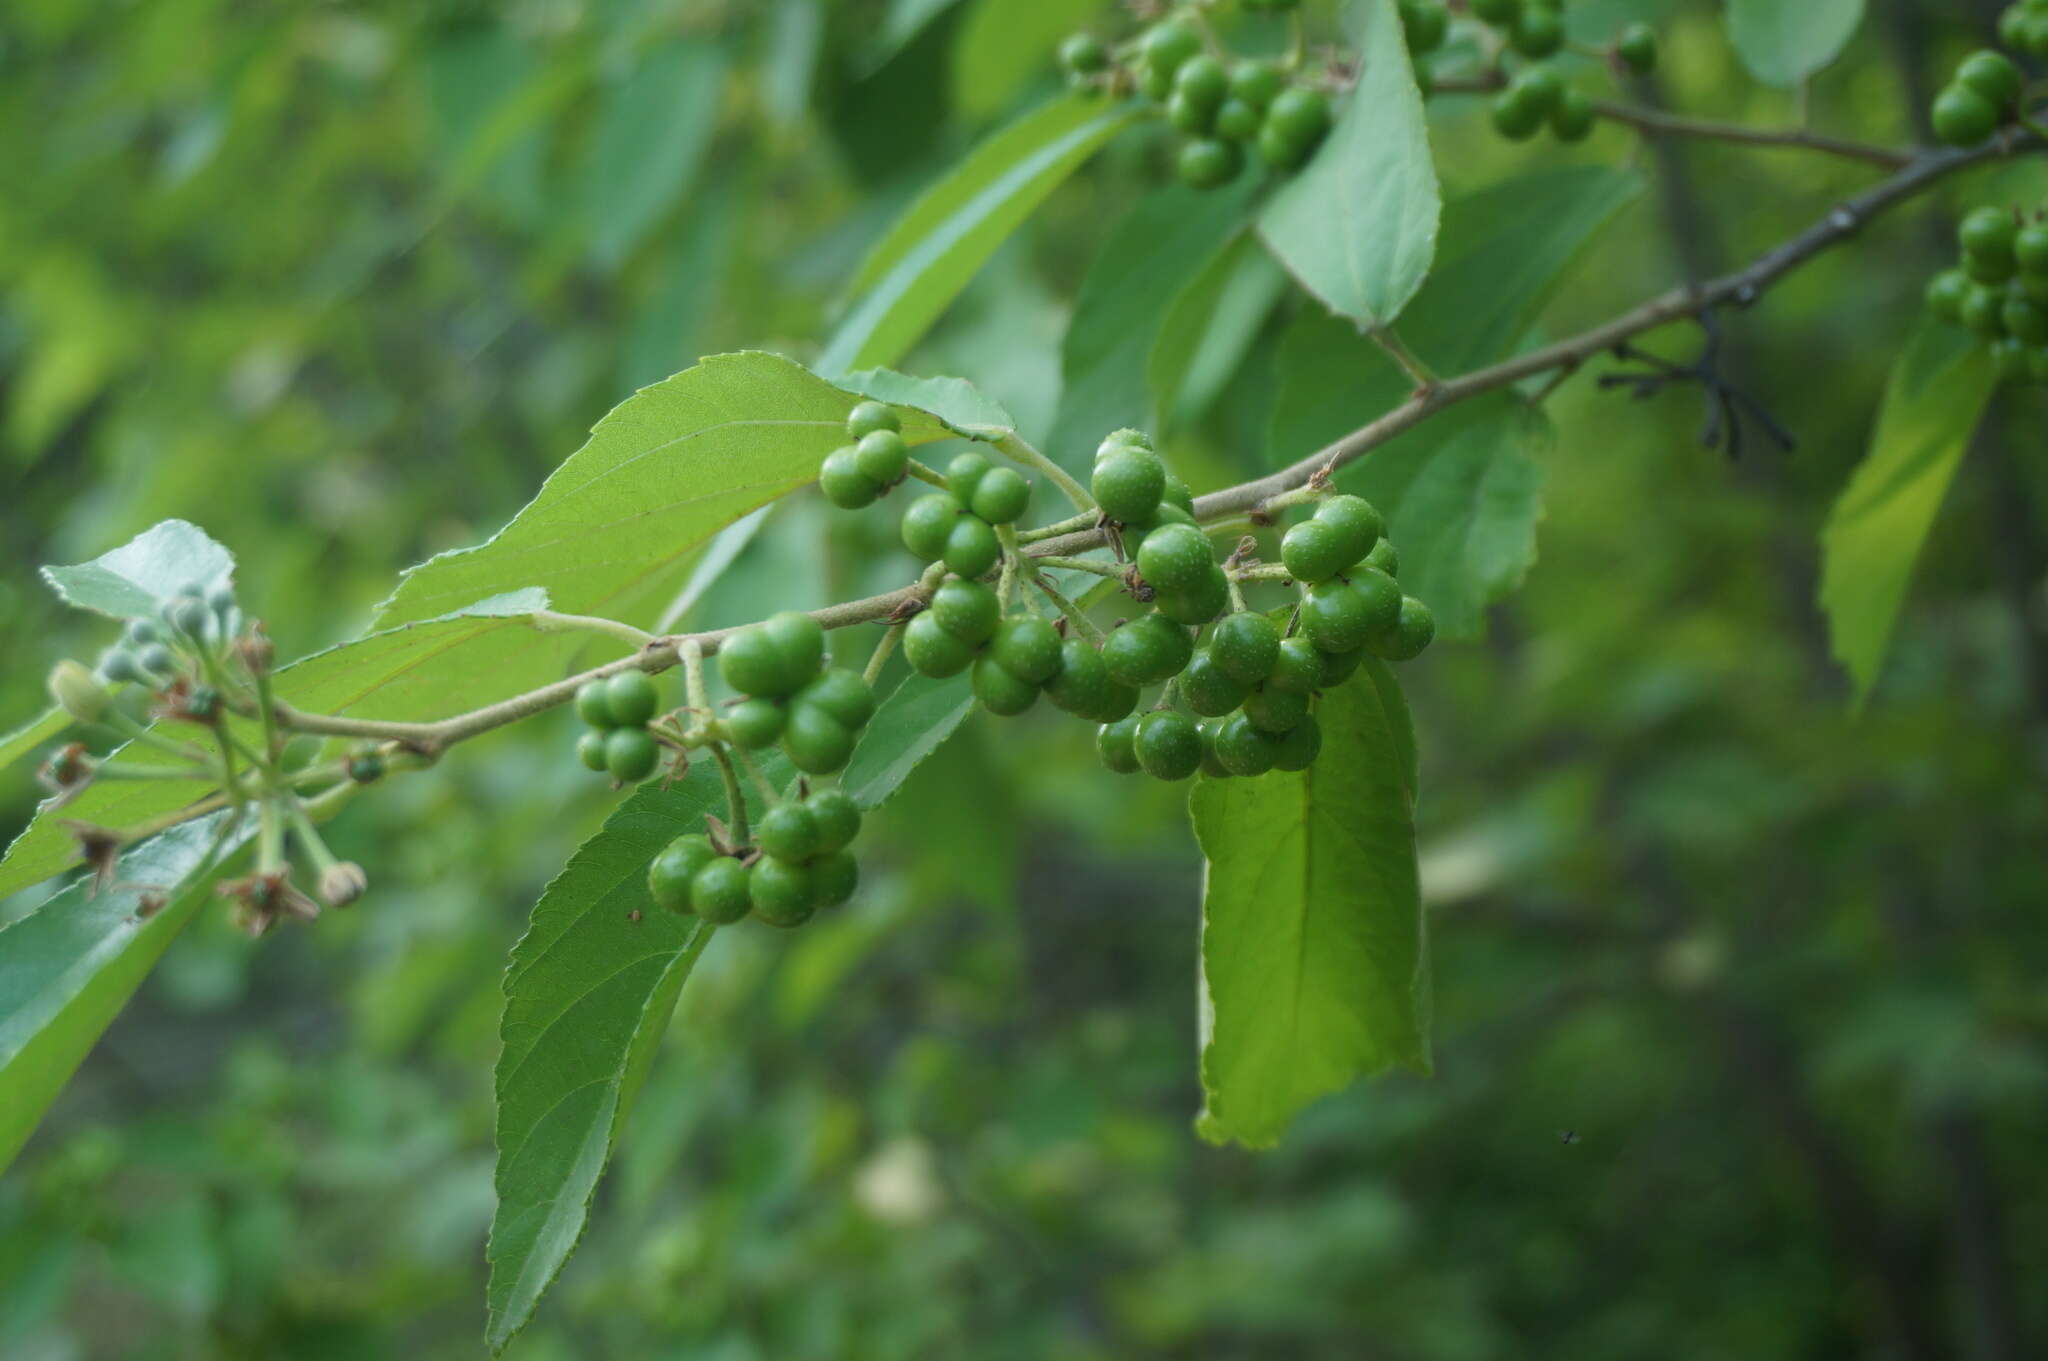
x: 69, y: 967
x: 1461, y: 492
x: 1155, y: 253
x: 1938, y: 390
x: 924, y: 261
x: 1783, y: 43
x: 136, y: 578
x: 1357, y: 226
x: 30, y: 736
x: 907, y: 727
x: 1209, y: 330
x: 592, y: 984
x: 652, y: 130
x: 1004, y: 44
x: 962, y: 407
x: 1315, y: 966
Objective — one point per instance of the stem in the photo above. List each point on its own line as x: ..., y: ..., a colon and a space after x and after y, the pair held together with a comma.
x: 881, y: 653
x: 1657, y: 122
x: 309, y: 837
x: 149, y: 737
x: 1101, y: 569
x: 1086, y: 520
x: 1389, y: 340
x: 746, y: 759
x: 924, y: 472
x: 1083, y: 625
x: 694, y: 693
x: 735, y: 802
x: 1017, y: 447
x: 1265, y: 571
x: 1006, y: 583
x: 547, y: 621
x: 269, y: 838
x: 115, y: 770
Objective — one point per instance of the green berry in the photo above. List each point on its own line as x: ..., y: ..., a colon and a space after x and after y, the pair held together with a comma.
x: 1499, y: 13
x: 927, y: 522
x: 1542, y: 86
x: 1120, y: 702
x: 801, y: 639
x: 1298, y: 747
x: 1297, y: 666
x: 1257, y: 83
x: 1208, y: 162
x: 1272, y: 710
x: 1988, y: 231
x: 1339, y: 666
x: 1243, y: 749
x: 1199, y: 603
x: 1208, y: 689
x: 1356, y: 519
x: 2009, y: 358
x: 868, y: 417
x: 1945, y: 293
x: 2025, y: 320
x: 790, y: 832
x: 816, y: 742
x: 1637, y: 46
x: 1245, y: 645
x: 1515, y: 115
x: 1128, y: 483
x: 1028, y: 648
x: 1177, y: 493
x: 882, y: 456
x: 1989, y: 269
x: 752, y: 663
x: 1146, y: 650
x: 719, y: 891
x: 1001, y: 496
x: 1167, y: 744
x: 1175, y: 557
x: 1962, y: 117
x: 1166, y: 46
x: 1083, y: 54
x: 834, y: 877
x: 2037, y: 363
x: 672, y: 872
x: 1415, y: 628
x: 1081, y: 685
x: 632, y: 698
x: 1238, y: 120
x: 1424, y: 23
x: 971, y: 547
x: 1185, y: 115
x: 590, y: 750
x: 1299, y: 114
x: 837, y: 816
x: 966, y: 609
x: 1538, y: 31
x: 1114, y: 744
x: 755, y: 723
x: 1992, y: 75
x: 1156, y: 85
x: 1202, y: 79
x: 1571, y: 118
x: 2030, y: 248
x: 593, y: 705
x: 932, y: 651
x: 1313, y: 551
x: 844, y: 484
x: 1120, y: 439
x: 1983, y: 311
x: 630, y: 754
x: 964, y: 474
x: 2034, y: 33
x: 841, y: 693
x: 1211, y: 765
x: 1341, y: 615
x: 1384, y: 557
x: 781, y: 892
x: 999, y: 690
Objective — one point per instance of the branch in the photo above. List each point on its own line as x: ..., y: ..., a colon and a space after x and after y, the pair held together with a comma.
x: 1739, y: 289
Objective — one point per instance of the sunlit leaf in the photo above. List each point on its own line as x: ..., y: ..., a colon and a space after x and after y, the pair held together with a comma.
x: 136, y: 578
x: 1782, y: 43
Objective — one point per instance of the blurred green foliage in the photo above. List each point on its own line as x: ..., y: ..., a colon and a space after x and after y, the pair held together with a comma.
x: 1740, y: 1006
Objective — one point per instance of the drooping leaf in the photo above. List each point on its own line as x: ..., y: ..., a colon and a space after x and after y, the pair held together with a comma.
x: 136, y: 578
x: 591, y: 987
x: 1461, y: 492
x: 1358, y: 225
x: 1314, y: 958
x: 904, y: 20
x: 1782, y: 42
x: 1938, y: 389
x: 651, y: 133
x: 1003, y: 44
x: 924, y: 261
x: 1209, y: 329
x: 69, y: 967
x: 964, y: 408
x: 1155, y: 253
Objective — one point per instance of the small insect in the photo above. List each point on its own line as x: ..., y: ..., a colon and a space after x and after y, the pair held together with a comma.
x: 1567, y: 1136
x: 634, y: 915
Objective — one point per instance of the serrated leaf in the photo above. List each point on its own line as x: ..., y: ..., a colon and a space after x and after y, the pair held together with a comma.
x: 652, y: 130
x: 1005, y: 44
x: 1357, y: 226
x: 69, y: 967
x: 1315, y: 966
x: 1154, y: 254
x: 964, y: 408
x: 1783, y: 43
x: 136, y: 578
x: 1937, y: 393
x: 924, y: 261
x: 591, y: 986
x: 1461, y: 492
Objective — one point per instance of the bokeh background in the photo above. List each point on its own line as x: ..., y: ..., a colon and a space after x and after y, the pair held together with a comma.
x: 1740, y: 998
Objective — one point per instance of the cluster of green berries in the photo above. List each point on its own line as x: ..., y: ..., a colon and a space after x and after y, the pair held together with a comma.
x: 957, y: 526
x: 798, y: 864
x: 2000, y: 289
x: 1984, y: 93
x: 1219, y: 109
x: 1250, y: 686
x: 816, y: 712
x: 1013, y: 659
x: 1537, y: 95
x: 2023, y: 27
x: 853, y: 476
x: 618, y: 710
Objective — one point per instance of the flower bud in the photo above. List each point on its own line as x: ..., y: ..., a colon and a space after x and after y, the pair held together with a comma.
x: 157, y: 658
x: 119, y: 664
x: 78, y: 692
x: 343, y: 883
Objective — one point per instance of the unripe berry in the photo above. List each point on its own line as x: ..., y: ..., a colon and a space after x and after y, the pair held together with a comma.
x: 1515, y: 115
x: 927, y: 522
x: 1028, y: 648
x: 1571, y: 118
x: 1209, y: 162
x: 755, y: 723
x: 630, y: 754
x: 1297, y: 666
x: 837, y: 816
x: 1000, y: 690
x: 1175, y: 557
x: 1167, y: 744
x: 801, y: 640
x: 789, y: 831
x: 1243, y: 749
x: 1637, y: 47
x: 1538, y: 31
x: 964, y: 474
x: 1082, y: 685
x: 1001, y: 496
x: 1412, y: 632
x: 1113, y: 743
x: 781, y: 892
x: 1988, y: 231
x: 1962, y: 117
x: 868, y: 417
x: 78, y: 692
x: 882, y: 456
x: 590, y: 751
x: 816, y: 742
x: 1128, y: 483
x: 971, y: 547
x: 1146, y: 650
x: 1245, y: 645
x: 718, y: 892
x: 631, y: 698
x: 1208, y: 689
x: 843, y: 483
x: 835, y: 876
x: 1257, y: 83
x: 841, y: 693
x: 672, y: 871
x: 1298, y: 747
x: 1992, y: 75
x: 966, y: 609
x: 1083, y: 54
x: 932, y: 651
x: 1275, y: 711
x: 1199, y: 603
x: 1945, y: 293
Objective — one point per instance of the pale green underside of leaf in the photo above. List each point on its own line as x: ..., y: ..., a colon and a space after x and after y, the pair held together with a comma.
x: 69, y: 967
x: 1004, y: 44
x: 924, y: 261
x: 1938, y: 390
x: 1358, y: 225
x: 1314, y: 962
x: 961, y: 406
x: 1782, y: 42
x: 136, y: 578
x: 592, y: 984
